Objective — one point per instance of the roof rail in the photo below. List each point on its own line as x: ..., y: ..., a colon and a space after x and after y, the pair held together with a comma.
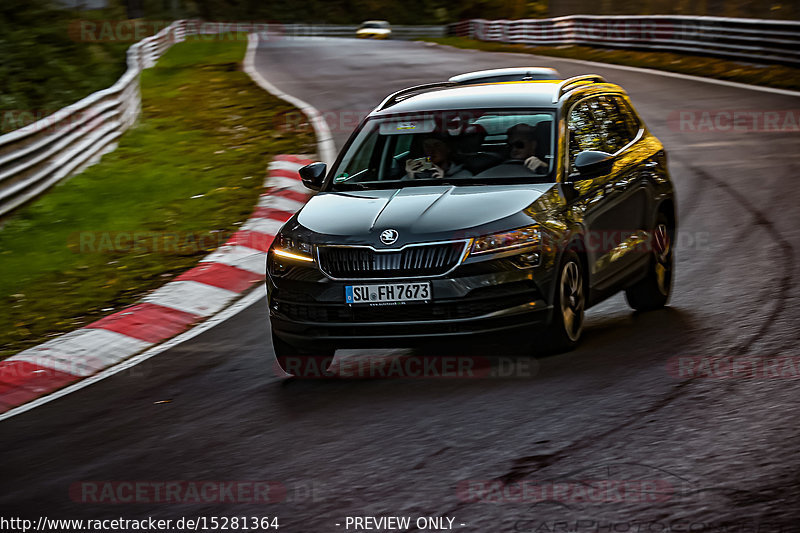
x: 568, y: 84
x: 397, y: 96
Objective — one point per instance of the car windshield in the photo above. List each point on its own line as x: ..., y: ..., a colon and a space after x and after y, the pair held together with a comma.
x: 375, y: 25
x: 456, y: 147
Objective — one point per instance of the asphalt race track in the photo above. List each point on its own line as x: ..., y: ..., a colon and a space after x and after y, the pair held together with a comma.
x: 712, y: 453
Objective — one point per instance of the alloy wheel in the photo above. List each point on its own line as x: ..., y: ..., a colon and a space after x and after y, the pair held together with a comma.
x: 572, y: 300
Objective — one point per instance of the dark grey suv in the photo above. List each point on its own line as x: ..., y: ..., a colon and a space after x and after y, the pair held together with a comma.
x: 475, y: 207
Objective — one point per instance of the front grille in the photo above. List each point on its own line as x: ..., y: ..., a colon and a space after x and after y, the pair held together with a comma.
x: 412, y: 261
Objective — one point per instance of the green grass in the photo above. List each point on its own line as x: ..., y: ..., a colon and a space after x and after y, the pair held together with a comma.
x: 779, y: 76
x: 195, y: 163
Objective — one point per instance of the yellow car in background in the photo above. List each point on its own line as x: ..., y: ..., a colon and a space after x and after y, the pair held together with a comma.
x: 374, y: 29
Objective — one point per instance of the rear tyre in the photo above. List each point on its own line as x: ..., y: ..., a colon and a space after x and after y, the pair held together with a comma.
x: 302, y: 364
x: 569, y: 305
x: 653, y: 291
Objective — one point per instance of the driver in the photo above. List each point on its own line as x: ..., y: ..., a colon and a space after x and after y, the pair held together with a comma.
x: 437, y: 162
x: 522, y: 143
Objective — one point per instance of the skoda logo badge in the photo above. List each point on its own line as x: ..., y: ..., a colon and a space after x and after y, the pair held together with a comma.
x: 388, y: 236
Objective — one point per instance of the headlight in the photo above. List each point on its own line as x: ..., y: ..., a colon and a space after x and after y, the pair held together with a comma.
x: 523, y: 238
x: 295, y: 249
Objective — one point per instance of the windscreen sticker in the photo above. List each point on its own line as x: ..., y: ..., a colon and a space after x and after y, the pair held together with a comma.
x: 408, y: 126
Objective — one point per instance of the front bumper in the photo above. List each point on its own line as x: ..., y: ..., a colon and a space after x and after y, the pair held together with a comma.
x: 493, y: 299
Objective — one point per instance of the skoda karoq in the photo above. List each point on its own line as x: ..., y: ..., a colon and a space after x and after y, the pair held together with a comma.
x: 498, y: 204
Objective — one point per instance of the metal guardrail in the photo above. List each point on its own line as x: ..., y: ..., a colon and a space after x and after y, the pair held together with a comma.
x: 35, y: 157
x: 773, y: 41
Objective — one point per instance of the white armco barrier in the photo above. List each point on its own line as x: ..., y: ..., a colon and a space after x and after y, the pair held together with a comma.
x: 771, y: 41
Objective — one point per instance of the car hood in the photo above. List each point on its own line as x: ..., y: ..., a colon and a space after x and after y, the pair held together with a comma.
x: 420, y: 213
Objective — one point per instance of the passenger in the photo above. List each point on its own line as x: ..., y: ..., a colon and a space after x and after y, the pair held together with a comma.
x: 523, y: 143
x: 437, y: 161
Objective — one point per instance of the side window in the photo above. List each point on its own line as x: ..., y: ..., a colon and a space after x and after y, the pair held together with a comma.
x: 600, y: 123
x: 584, y: 133
x: 613, y: 127
x: 629, y: 116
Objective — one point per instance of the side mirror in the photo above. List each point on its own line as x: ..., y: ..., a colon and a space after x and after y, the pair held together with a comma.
x: 591, y: 164
x: 313, y: 175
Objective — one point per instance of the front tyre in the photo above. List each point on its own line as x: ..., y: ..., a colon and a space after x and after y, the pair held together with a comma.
x: 302, y: 364
x: 569, y: 305
x: 653, y: 291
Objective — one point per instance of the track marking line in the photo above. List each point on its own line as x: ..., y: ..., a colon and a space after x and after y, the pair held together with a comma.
x: 325, y: 144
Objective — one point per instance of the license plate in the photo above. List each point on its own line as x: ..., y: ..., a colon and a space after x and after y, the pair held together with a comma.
x: 387, y: 293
